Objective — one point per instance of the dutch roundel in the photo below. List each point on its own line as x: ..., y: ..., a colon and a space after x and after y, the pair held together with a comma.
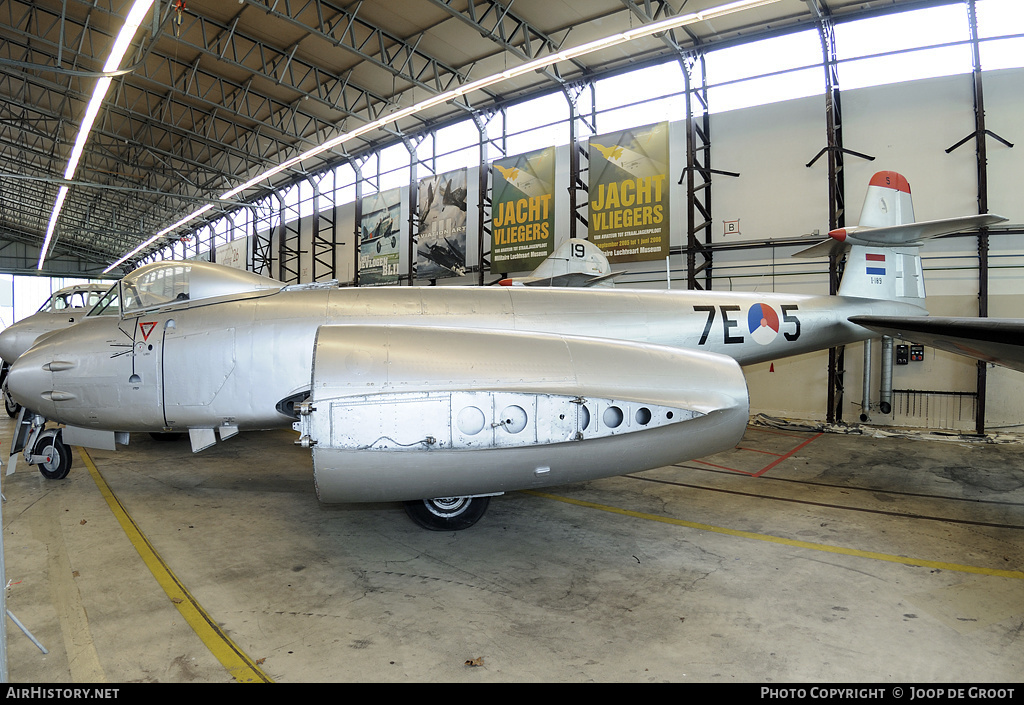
x: 763, y: 323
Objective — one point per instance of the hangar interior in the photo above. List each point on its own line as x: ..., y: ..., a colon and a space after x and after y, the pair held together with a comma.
x: 219, y: 95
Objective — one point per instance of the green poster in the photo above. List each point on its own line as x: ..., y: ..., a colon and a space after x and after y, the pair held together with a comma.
x: 522, y: 210
x: 629, y: 193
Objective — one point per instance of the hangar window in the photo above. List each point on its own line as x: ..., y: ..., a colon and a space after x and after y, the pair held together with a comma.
x: 642, y: 97
x: 767, y: 71
x: 538, y: 123
x: 1001, y: 18
x: 904, y: 47
x: 394, y: 166
x: 454, y: 147
x: 345, y: 180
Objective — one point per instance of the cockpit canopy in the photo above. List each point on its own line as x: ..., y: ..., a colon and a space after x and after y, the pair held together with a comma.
x: 171, y: 282
x: 77, y: 296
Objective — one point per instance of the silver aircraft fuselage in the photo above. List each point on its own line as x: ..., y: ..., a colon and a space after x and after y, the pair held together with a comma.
x: 236, y: 359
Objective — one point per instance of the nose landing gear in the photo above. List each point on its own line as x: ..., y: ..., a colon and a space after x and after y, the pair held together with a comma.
x: 42, y: 447
x: 54, y: 455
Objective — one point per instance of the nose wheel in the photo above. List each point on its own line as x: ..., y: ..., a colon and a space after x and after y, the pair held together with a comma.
x: 54, y: 453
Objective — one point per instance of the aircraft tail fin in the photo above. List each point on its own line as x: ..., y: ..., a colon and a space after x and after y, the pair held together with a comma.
x: 884, y: 260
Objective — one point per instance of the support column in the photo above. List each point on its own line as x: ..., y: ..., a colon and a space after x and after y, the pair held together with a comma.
x: 981, y: 150
x: 836, y: 205
x: 483, y: 231
x: 698, y: 173
x: 412, y: 144
x: 325, y: 231
x: 579, y: 154
x: 262, y: 250
x: 288, y: 241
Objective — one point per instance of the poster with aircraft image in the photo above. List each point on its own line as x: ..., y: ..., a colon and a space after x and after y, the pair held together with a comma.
x: 379, y: 252
x: 441, y: 240
x: 629, y: 193
x: 522, y: 210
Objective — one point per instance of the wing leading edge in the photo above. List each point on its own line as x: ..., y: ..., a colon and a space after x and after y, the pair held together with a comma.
x: 996, y: 340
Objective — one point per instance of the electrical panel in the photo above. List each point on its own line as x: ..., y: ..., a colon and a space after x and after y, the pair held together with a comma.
x: 902, y: 354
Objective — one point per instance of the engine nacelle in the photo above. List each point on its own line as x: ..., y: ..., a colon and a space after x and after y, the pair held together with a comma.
x: 400, y: 412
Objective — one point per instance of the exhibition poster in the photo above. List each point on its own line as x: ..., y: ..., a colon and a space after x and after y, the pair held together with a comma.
x: 441, y: 238
x: 379, y: 251
x: 629, y: 193
x: 522, y: 210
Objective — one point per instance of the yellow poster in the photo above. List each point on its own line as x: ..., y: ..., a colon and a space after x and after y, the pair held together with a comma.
x: 522, y: 210
x: 629, y: 193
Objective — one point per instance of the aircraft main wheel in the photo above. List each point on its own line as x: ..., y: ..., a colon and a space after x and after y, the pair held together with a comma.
x: 10, y: 406
x: 447, y: 513
x: 58, y: 454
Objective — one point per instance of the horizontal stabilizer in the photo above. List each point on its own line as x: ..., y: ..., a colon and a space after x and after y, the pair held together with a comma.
x: 909, y: 234
x: 996, y: 340
x: 913, y: 233
x: 578, y: 279
x: 825, y: 248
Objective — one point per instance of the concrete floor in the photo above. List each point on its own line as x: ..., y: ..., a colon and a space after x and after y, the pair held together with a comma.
x: 776, y: 562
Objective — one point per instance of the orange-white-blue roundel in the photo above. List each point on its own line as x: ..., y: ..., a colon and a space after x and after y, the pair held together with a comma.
x: 763, y: 323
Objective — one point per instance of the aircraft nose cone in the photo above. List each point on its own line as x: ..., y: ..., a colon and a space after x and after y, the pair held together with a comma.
x: 29, y: 379
x: 10, y: 346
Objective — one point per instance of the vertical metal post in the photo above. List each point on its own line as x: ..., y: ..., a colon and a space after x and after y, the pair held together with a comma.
x: 483, y: 230
x: 836, y: 203
x: 262, y: 250
x: 414, y: 201
x: 578, y: 152
x: 357, y: 169
x: 325, y: 231
x: 698, y: 166
x: 289, y: 242
x: 982, y: 161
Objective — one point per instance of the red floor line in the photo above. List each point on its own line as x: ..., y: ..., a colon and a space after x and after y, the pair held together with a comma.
x: 723, y: 467
x: 755, y: 450
x: 774, y: 432
x: 787, y: 455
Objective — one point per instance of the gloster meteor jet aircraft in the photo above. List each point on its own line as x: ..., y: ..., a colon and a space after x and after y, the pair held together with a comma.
x: 441, y: 397
x: 64, y: 307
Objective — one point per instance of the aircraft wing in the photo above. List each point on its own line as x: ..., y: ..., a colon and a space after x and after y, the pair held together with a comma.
x: 996, y: 340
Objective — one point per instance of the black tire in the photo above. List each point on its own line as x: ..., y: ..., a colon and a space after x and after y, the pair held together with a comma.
x: 447, y: 513
x: 10, y: 406
x: 52, y: 445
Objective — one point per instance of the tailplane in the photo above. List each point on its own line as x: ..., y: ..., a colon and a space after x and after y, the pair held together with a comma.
x: 884, y: 260
x: 575, y: 262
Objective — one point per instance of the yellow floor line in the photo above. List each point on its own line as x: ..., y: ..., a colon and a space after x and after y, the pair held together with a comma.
x: 1016, y: 574
x: 242, y: 668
